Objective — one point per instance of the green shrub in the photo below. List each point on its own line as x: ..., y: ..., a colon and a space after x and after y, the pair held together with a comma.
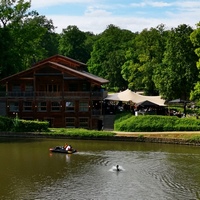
x: 21, y: 125
x: 122, y: 116
x: 149, y: 123
x: 6, y: 123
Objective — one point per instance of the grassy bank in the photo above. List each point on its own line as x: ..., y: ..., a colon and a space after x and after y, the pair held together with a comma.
x: 188, y: 137
x: 172, y: 138
x: 126, y: 126
x: 79, y: 132
x: 153, y: 137
x: 154, y: 123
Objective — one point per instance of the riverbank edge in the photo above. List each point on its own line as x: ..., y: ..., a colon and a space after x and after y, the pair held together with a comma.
x: 131, y: 137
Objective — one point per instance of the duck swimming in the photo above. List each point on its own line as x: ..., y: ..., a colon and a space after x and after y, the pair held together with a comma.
x: 117, y: 168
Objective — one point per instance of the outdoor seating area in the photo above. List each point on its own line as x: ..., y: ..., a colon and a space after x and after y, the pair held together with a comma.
x: 134, y: 102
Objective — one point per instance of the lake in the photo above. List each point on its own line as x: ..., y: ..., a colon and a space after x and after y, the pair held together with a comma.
x: 148, y: 170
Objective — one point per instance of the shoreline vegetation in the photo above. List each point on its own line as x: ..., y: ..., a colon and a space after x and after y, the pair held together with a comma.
x: 179, y: 137
x: 127, y: 127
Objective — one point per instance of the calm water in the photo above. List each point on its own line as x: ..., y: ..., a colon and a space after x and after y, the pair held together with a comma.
x: 149, y: 171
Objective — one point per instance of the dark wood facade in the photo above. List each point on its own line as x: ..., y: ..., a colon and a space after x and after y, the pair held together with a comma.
x: 57, y: 89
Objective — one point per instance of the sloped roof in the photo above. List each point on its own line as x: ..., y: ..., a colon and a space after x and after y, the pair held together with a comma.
x: 128, y: 95
x: 61, y: 60
x: 147, y: 103
x: 82, y: 74
x: 62, y: 65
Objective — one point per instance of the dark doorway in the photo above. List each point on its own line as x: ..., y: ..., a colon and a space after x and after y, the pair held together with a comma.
x: 100, y: 125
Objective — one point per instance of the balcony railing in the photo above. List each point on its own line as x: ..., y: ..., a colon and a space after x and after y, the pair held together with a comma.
x: 40, y: 94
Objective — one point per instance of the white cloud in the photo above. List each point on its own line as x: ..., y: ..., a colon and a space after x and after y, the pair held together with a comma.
x: 151, y: 3
x: 159, y: 4
x: 98, y: 24
x: 141, y: 4
x: 98, y: 14
x: 175, y: 4
x: 188, y: 4
x: 48, y: 3
x: 84, y: 23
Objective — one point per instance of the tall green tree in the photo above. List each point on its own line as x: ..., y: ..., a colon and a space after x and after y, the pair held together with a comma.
x: 73, y: 44
x: 12, y: 12
x: 195, y: 38
x: 108, y: 56
x: 131, y: 69
x: 176, y: 76
x: 91, y: 38
x: 143, y: 56
x: 24, y: 36
x: 36, y: 40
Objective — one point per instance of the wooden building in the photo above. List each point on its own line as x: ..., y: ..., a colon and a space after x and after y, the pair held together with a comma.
x: 59, y: 90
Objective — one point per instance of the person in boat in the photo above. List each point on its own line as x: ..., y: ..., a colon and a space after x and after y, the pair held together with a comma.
x: 68, y: 148
x: 65, y: 146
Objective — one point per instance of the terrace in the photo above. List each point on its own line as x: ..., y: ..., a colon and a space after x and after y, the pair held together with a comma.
x: 41, y: 94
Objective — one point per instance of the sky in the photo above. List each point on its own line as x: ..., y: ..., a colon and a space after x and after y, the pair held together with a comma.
x: 134, y: 15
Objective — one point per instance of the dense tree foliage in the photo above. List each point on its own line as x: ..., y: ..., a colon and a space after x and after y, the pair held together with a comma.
x: 195, y: 38
x: 177, y: 74
x: 11, y: 14
x: 156, y: 60
x: 143, y: 56
x: 35, y: 40
x: 26, y: 37
x: 108, y: 56
x: 73, y: 44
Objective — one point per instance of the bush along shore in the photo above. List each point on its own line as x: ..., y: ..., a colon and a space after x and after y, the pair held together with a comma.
x: 19, y: 128
x: 155, y: 123
x: 171, y: 128
x: 84, y: 134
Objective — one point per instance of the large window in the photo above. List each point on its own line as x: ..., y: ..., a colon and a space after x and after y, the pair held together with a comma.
x: 73, y: 87
x: 84, y: 122
x: 42, y: 106
x: 70, y: 106
x: 83, y: 106
x: 86, y: 87
x: 55, y: 106
x: 53, y: 88
x: 16, y: 88
x: 29, y: 88
x: 70, y: 122
x: 13, y: 106
x: 27, y: 106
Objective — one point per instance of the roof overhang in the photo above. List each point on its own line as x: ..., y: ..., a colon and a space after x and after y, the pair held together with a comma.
x: 76, y: 73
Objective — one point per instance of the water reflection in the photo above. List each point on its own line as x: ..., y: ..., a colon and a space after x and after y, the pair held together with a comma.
x: 149, y: 171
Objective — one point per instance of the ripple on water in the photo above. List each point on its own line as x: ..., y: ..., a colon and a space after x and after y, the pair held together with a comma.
x: 86, y: 175
x: 114, y: 169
